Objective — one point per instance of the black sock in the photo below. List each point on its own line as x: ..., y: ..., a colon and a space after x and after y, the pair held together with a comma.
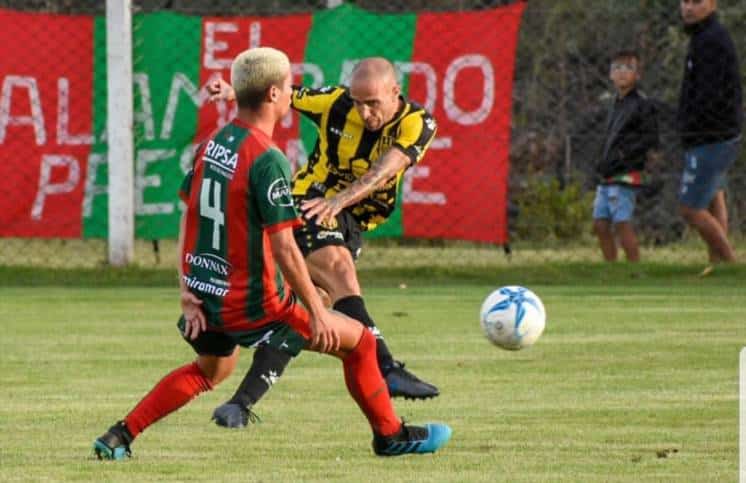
x: 353, y: 306
x: 266, y: 368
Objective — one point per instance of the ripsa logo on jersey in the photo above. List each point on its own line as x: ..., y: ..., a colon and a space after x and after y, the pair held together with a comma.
x: 278, y: 193
x: 218, y: 154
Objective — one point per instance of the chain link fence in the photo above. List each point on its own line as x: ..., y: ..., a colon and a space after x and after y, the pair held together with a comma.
x: 520, y: 90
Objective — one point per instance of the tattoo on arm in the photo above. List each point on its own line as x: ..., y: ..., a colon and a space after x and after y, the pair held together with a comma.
x: 381, y: 171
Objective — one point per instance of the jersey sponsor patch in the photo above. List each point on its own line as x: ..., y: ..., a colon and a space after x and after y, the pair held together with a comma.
x: 329, y: 224
x: 204, y: 287
x: 325, y: 234
x: 386, y: 142
x: 341, y: 133
x: 278, y: 193
x: 210, y: 262
x: 218, y: 155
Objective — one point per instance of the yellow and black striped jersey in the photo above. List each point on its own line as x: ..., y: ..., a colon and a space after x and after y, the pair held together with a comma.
x: 345, y: 150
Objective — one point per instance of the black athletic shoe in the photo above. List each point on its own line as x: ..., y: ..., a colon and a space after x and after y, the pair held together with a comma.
x: 114, y: 444
x: 403, y: 383
x: 234, y: 415
x: 413, y: 439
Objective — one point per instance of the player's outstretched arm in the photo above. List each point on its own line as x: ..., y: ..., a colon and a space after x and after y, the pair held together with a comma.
x: 325, y: 337
x: 382, y: 170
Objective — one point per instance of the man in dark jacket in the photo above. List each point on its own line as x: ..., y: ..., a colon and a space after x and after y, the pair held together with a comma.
x: 631, y: 131
x: 710, y: 122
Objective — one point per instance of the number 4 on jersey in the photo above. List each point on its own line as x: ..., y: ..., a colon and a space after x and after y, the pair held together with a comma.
x: 210, y: 208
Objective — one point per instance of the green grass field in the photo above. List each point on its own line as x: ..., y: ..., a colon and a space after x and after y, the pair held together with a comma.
x: 634, y: 382
x: 377, y: 254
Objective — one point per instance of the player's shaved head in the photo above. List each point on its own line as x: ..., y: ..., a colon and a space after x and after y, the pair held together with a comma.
x: 254, y: 71
x: 375, y: 91
x: 376, y: 69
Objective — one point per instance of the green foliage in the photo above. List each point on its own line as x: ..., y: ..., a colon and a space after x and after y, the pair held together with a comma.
x: 549, y: 212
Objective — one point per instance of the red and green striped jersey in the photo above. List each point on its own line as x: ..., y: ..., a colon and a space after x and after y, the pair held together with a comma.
x: 237, y: 193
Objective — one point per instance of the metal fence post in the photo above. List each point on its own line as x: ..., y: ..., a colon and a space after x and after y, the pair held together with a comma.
x: 119, y: 131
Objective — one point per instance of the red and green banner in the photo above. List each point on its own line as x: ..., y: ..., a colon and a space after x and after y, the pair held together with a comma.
x: 53, y: 115
x: 46, y: 115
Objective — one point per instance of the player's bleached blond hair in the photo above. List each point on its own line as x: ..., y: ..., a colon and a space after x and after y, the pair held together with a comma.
x: 254, y: 71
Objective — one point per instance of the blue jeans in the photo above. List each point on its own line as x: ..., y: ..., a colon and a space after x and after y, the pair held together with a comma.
x: 614, y: 202
x: 705, y: 169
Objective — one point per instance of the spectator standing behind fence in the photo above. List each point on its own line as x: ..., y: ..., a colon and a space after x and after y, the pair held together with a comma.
x: 631, y: 131
x: 710, y: 122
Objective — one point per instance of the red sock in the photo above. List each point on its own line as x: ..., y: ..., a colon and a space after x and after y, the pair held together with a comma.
x: 367, y: 387
x: 172, y: 392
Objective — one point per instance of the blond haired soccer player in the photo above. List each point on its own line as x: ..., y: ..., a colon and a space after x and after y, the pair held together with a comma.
x: 237, y: 251
x: 368, y: 136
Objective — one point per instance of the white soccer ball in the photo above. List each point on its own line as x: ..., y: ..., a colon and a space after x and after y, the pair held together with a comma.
x: 512, y: 317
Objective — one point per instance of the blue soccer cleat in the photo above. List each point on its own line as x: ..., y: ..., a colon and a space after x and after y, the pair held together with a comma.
x: 413, y: 439
x: 114, y: 444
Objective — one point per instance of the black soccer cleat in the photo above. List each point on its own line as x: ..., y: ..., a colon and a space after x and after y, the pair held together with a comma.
x: 114, y: 444
x: 402, y: 383
x: 413, y: 439
x: 234, y: 415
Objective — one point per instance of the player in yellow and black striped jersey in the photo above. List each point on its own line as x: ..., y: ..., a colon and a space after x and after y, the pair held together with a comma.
x: 346, y: 149
x: 368, y: 136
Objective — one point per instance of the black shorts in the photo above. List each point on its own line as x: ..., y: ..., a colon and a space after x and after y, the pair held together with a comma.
x: 290, y: 335
x: 346, y: 232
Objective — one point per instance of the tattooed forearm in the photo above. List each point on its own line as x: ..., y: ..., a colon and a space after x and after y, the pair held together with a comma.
x: 378, y: 174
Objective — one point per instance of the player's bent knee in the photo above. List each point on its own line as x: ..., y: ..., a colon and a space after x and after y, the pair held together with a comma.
x: 216, y: 369
x: 350, y: 331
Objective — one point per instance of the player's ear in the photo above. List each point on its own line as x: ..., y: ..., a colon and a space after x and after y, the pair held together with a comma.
x: 273, y: 94
x: 396, y: 90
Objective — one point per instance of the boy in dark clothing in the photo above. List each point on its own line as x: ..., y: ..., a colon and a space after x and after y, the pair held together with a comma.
x: 631, y: 131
